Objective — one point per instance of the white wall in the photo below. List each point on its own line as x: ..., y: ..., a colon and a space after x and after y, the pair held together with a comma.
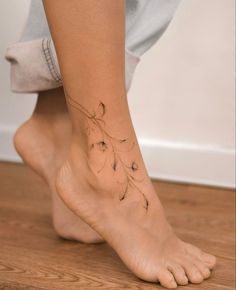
x: 14, y: 108
x: 182, y: 99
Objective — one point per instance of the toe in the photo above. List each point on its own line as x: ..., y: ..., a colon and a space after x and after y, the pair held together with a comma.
x: 166, y: 279
x: 203, y: 269
x: 179, y: 274
x: 192, y: 272
x: 209, y: 260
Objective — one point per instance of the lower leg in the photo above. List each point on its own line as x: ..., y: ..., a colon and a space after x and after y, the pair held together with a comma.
x: 104, y: 179
x: 43, y: 142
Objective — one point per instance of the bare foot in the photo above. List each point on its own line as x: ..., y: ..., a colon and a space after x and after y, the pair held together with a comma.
x: 104, y: 181
x: 42, y: 142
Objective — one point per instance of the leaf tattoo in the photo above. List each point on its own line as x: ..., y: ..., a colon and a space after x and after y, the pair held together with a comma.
x: 101, y: 110
x: 109, y: 142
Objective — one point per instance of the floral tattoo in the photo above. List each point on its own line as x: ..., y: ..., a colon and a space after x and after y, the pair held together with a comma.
x: 107, y: 141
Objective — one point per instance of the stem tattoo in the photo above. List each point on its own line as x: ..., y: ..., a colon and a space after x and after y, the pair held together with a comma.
x: 106, y: 142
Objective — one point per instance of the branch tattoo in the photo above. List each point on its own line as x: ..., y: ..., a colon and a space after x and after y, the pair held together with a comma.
x: 106, y: 142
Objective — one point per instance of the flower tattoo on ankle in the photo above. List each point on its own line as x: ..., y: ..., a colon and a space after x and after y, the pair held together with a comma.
x: 109, y: 142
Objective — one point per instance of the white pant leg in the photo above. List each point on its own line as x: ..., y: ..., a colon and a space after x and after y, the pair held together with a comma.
x: 34, y: 65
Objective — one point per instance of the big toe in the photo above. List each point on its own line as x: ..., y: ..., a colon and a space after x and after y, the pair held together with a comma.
x: 166, y: 279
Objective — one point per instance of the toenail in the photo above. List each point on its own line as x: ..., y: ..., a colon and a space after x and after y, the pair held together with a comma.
x: 198, y: 276
x: 207, y: 272
x: 173, y: 284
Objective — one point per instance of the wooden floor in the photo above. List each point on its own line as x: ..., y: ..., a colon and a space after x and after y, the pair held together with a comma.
x: 33, y: 257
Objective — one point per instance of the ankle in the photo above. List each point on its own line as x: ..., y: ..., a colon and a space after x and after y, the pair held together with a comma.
x: 104, y: 179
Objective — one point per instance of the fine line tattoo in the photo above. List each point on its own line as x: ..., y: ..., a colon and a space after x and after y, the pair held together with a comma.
x: 109, y: 142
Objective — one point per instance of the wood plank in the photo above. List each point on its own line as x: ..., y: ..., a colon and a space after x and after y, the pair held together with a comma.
x: 33, y: 257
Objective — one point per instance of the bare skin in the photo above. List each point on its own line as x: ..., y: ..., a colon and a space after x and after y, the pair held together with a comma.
x: 103, y: 179
x: 43, y: 142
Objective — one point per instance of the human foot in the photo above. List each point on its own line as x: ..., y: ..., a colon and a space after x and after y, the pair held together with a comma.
x: 42, y: 142
x: 104, y: 181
